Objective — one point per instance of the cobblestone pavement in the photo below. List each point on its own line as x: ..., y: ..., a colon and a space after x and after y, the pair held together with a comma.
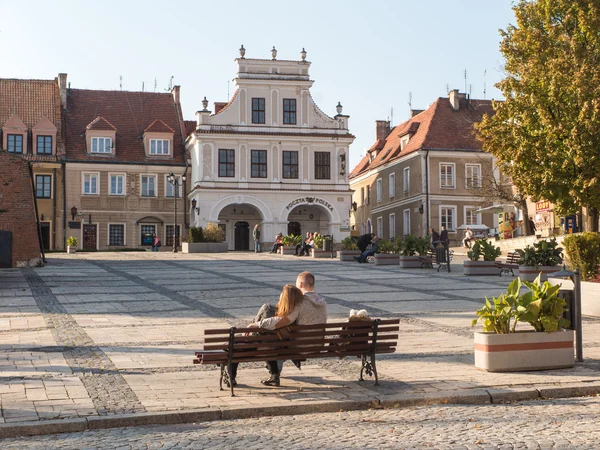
x: 558, y: 424
x: 103, y: 334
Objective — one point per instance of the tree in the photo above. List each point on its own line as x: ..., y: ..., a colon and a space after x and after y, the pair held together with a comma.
x: 546, y: 134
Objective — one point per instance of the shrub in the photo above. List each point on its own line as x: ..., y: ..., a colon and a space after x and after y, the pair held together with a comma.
x: 318, y: 240
x: 476, y: 252
x: 196, y: 234
x: 349, y: 244
x: 72, y: 241
x: 407, y: 246
x: 385, y: 246
x: 583, y: 252
x: 422, y: 246
x: 291, y: 241
x: 212, y: 233
x: 490, y: 251
x: 543, y: 253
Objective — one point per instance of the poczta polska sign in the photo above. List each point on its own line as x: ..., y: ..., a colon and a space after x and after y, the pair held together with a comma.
x: 310, y: 201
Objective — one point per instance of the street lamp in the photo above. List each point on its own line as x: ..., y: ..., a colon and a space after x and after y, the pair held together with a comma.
x: 175, y: 183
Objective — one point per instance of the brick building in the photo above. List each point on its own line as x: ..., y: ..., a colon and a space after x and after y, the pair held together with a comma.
x: 19, y: 241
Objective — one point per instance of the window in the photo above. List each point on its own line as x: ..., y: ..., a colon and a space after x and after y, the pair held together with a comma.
x: 471, y: 217
x: 170, y: 189
x: 15, y: 143
x: 289, y: 111
x: 259, y: 163
x: 406, y: 220
x: 290, y: 164
x: 380, y: 227
x: 101, y: 145
x: 44, y: 145
x: 159, y: 146
x: 406, y: 180
x: 169, y: 236
x: 43, y: 186
x: 368, y: 199
x: 362, y: 196
x: 117, y: 184
x: 258, y: 110
x: 447, y: 175
x: 116, y: 234
x: 90, y: 183
x: 146, y: 232
x: 404, y: 141
x: 148, y: 185
x: 392, y: 226
x: 448, y: 217
x: 379, y: 190
x: 472, y: 176
x: 226, y: 163
x: 392, y: 187
x: 322, y: 166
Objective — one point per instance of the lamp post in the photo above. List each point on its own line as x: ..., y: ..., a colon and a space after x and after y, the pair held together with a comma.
x: 175, y: 183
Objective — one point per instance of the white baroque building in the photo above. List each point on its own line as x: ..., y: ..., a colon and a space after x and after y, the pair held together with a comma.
x: 270, y: 156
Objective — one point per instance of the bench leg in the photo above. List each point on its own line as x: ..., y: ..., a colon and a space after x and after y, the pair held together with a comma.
x: 362, y: 367
x: 224, y: 376
x: 230, y: 379
x: 368, y: 366
x: 374, y: 365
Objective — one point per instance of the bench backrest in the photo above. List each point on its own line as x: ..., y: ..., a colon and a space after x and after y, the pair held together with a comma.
x: 513, y: 257
x: 301, y: 341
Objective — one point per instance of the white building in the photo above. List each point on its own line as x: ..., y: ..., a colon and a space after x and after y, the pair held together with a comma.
x: 270, y: 156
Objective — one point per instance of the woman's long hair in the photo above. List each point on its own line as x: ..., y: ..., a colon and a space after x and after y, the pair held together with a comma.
x: 289, y: 299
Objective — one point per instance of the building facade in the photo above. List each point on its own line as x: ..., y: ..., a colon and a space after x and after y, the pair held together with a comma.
x: 120, y: 148
x: 271, y: 157
x: 426, y: 172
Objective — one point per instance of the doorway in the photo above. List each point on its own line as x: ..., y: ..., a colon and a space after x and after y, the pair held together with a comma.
x: 5, y: 249
x: 89, y: 237
x: 294, y: 228
x: 242, y: 236
x: 45, y: 230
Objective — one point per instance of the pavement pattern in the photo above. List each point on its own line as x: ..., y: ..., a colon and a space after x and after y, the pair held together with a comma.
x: 103, y: 335
x: 558, y: 424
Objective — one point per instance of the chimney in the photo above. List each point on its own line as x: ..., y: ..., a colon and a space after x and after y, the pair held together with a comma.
x: 175, y: 93
x: 454, y: 99
x: 414, y: 112
x: 382, y: 129
x: 62, y: 89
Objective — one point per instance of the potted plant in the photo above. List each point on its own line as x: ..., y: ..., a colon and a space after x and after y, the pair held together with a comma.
x: 407, y: 248
x: 289, y: 244
x: 317, y: 251
x: 71, y: 245
x: 211, y: 239
x: 500, y: 347
x: 349, y: 250
x: 583, y: 252
x: 387, y: 253
x: 541, y: 257
x: 489, y: 252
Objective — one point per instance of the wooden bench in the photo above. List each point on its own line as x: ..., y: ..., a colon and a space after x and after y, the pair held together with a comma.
x: 430, y: 259
x: 512, y: 262
x: 363, y: 339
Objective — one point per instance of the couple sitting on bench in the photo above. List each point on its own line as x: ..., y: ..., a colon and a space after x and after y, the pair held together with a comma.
x: 298, y: 305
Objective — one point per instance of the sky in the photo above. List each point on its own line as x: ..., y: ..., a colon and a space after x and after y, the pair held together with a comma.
x: 372, y: 56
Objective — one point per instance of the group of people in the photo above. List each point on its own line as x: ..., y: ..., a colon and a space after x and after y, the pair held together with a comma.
x: 304, y: 247
x: 435, y: 237
x: 298, y: 305
x: 368, y: 244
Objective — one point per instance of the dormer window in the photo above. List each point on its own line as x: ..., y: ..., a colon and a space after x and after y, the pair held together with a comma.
x: 404, y: 141
x: 44, y: 145
x: 102, y: 145
x: 14, y: 143
x: 159, y: 146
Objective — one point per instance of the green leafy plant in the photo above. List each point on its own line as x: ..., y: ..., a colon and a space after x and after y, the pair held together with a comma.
x: 542, y: 253
x: 490, y: 251
x: 72, y: 241
x: 407, y: 246
x: 291, y: 241
x: 212, y: 233
x: 423, y: 245
x: 385, y: 246
x: 540, y: 307
x: 583, y: 252
x: 349, y: 244
x: 476, y: 252
x: 196, y: 234
x: 318, y: 240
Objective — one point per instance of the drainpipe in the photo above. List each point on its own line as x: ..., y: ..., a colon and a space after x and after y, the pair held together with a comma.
x: 184, y: 195
x: 35, y: 207
x: 64, y: 199
x: 427, y: 189
x: 54, y: 209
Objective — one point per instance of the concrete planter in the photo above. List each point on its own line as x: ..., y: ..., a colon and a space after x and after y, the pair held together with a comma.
x: 287, y: 250
x: 386, y: 259
x: 590, y: 295
x: 320, y: 253
x: 530, y: 273
x: 348, y: 255
x: 204, y: 247
x: 524, y: 351
x: 409, y: 262
x: 480, y: 268
x: 71, y: 250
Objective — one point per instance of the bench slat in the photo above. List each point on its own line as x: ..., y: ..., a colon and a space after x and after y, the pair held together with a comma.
x: 358, y: 324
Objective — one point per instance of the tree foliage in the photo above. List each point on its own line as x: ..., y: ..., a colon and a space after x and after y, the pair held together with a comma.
x: 546, y: 134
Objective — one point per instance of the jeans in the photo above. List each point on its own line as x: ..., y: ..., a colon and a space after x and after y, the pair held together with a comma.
x: 155, y: 248
x: 363, y: 257
x: 257, y: 246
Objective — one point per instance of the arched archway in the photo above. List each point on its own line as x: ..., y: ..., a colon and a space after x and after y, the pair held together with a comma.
x: 242, y: 235
x: 294, y: 228
x: 238, y: 202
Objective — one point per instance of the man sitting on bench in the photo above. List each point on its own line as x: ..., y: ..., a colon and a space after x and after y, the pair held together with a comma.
x: 468, y: 237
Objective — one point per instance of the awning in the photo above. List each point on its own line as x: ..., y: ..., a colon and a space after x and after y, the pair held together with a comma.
x: 494, y: 208
x: 474, y: 227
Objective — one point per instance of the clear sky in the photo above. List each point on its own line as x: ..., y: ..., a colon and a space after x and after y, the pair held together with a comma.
x: 369, y: 55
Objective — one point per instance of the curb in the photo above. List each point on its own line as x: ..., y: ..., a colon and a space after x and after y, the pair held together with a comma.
x: 479, y: 396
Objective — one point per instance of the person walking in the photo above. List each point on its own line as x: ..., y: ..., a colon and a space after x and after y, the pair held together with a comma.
x: 444, y: 236
x: 434, y: 237
x: 256, y: 236
x: 155, y: 243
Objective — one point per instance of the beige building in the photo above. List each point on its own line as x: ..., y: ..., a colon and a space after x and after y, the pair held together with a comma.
x: 120, y: 148
x: 424, y: 173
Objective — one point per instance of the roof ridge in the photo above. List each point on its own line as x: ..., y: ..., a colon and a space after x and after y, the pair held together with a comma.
x: 98, y: 119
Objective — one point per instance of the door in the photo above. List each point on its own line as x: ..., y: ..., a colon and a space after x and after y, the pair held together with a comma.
x: 45, y: 230
x: 242, y: 236
x: 89, y: 237
x: 5, y: 249
x: 294, y: 228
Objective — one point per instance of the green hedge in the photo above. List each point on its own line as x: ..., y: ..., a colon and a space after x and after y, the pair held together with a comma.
x: 583, y: 251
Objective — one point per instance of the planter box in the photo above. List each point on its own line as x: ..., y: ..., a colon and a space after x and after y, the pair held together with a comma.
x: 204, y: 247
x: 386, y: 259
x: 529, y: 273
x: 348, y: 255
x: 590, y: 295
x: 71, y: 250
x: 287, y: 250
x: 410, y: 262
x: 523, y: 351
x: 320, y: 253
x: 480, y: 268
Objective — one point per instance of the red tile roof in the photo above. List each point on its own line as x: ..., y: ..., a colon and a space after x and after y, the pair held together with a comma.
x: 30, y: 100
x: 439, y: 127
x: 130, y: 113
x: 100, y: 123
x: 158, y: 126
x: 190, y: 127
